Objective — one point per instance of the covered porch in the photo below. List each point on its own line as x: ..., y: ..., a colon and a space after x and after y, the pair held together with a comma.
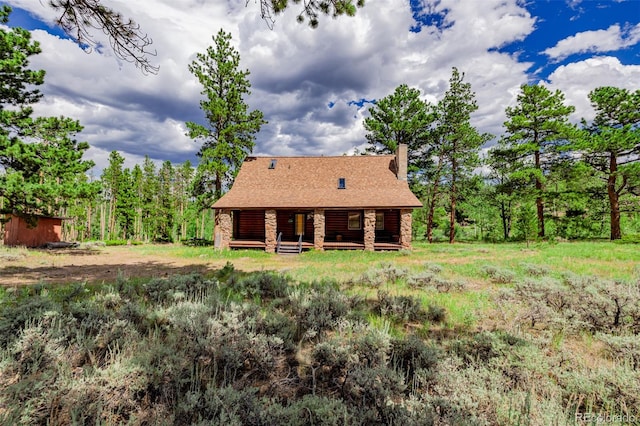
x: 320, y: 229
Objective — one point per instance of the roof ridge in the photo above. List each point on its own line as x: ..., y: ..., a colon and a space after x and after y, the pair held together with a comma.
x: 318, y: 156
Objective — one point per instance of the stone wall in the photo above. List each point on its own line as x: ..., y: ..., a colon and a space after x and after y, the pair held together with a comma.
x: 369, y: 230
x: 405, y: 229
x: 223, y: 229
x: 318, y: 229
x: 270, y: 230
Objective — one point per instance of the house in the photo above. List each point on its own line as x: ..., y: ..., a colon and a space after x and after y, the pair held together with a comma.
x: 18, y: 231
x: 347, y: 202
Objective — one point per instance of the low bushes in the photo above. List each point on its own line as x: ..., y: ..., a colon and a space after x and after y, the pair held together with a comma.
x: 258, y: 349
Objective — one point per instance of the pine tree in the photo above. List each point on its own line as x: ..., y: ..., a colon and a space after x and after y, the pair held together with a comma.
x: 611, y: 145
x: 536, y: 130
x: 112, y: 181
x: 41, y: 162
x: 166, y: 203
x: 149, y: 199
x: 402, y: 118
x: 228, y: 137
x: 460, y: 141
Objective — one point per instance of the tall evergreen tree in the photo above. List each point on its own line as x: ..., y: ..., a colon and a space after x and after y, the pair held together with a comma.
x: 401, y: 118
x: 182, y: 191
x: 166, y: 203
x: 460, y: 139
x: 611, y: 144
x: 228, y: 136
x: 126, y: 204
x: 41, y: 163
x: 112, y: 183
x: 149, y: 198
x: 536, y: 129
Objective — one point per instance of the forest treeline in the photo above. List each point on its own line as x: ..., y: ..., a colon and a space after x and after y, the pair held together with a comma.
x: 146, y: 203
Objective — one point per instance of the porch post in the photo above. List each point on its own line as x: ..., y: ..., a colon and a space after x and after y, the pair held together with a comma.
x: 318, y: 229
x: 223, y: 229
x: 405, y: 229
x: 270, y: 229
x: 369, y: 230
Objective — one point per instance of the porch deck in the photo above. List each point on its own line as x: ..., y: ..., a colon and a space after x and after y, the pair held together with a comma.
x: 248, y: 244
x: 328, y: 245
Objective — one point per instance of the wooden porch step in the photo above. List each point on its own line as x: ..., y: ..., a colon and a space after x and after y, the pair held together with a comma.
x: 246, y: 244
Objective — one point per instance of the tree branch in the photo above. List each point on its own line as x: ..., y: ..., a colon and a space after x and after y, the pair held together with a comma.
x: 128, y: 42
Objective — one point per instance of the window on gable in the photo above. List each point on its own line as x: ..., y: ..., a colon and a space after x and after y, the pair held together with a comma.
x: 342, y: 183
x: 273, y: 163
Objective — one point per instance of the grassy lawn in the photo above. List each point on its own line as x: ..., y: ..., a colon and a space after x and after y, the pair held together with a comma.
x: 461, y: 260
x: 444, y: 334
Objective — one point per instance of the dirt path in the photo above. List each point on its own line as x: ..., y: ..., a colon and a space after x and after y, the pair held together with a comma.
x: 103, y: 264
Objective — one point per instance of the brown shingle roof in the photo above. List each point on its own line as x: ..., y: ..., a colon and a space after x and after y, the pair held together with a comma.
x: 312, y: 182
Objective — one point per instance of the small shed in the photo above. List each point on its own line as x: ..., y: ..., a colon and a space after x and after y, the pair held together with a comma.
x: 37, y: 232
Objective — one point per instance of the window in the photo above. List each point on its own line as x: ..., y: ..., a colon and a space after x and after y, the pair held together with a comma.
x: 379, y: 221
x: 273, y: 163
x: 355, y: 221
x: 342, y: 183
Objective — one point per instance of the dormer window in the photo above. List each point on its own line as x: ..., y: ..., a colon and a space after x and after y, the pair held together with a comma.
x: 342, y: 183
x: 272, y: 164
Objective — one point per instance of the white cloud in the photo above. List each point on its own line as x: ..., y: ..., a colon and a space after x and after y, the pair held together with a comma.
x: 598, y: 41
x: 576, y: 80
x: 295, y: 72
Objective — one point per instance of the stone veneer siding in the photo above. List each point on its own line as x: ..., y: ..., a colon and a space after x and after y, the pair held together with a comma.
x: 369, y: 230
x: 318, y: 229
x: 405, y: 229
x: 270, y: 230
x: 224, y: 228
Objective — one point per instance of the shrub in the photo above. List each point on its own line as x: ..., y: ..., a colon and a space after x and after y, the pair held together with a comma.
x: 422, y: 280
x: 581, y: 303
x: 15, y: 314
x: 498, y: 275
x: 534, y: 270
x: 264, y: 285
x: 623, y: 348
x: 411, y: 355
x: 483, y: 347
x: 318, y: 310
x: 309, y: 410
x: 400, y: 308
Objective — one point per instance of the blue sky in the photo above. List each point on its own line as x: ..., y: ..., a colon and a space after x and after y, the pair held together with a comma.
x: 315, y: 86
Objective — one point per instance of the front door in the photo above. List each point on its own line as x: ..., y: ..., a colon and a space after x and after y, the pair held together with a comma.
x: 299, y: 224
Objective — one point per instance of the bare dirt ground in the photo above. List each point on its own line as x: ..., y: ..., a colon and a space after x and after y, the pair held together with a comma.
x: 98, y: 265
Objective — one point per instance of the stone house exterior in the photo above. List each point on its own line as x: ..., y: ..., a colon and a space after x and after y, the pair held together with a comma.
x: 346, y: 202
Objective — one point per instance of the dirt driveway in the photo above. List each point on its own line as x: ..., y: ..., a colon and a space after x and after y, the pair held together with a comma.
x: 105, y: 264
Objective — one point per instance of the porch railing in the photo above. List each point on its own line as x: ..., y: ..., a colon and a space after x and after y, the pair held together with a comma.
x: 278, y: 241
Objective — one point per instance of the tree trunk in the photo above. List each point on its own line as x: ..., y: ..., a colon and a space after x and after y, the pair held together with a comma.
x: 614, y: 203
x: 505, y: 223
x: 539, y: 201
x: 432, y: 208
x: 102, y: 220
x: 432, y: 202
x: 452, y: 217
x: 87, y: 232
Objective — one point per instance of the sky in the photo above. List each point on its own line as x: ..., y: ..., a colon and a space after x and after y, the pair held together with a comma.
x: 315, y: 86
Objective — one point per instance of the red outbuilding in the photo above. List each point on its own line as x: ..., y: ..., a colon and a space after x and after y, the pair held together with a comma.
x: 20, y: 232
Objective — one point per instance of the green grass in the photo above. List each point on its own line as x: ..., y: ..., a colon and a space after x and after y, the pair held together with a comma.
x: 463, y: 261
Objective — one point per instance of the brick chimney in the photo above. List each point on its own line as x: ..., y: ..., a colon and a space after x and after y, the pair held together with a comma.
x: 401, y: 161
